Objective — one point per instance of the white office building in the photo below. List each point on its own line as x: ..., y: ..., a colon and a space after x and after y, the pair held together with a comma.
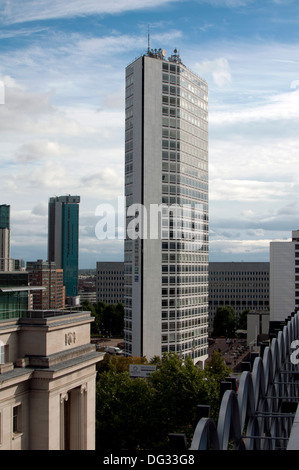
x: 166, y: 188
x: 284, y: 278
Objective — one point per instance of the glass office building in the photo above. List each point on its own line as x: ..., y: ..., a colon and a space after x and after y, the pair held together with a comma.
x: 14, y: 291
x: 63, y: 239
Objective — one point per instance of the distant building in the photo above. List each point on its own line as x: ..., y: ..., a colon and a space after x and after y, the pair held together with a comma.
x: 63, y: 241
x: 110, y: 282
x: 87, y: 287
x: 284, y: 278
x: 14, y: 294
x: 47, y: 374
x: 257, y: 327
x: 6, y: 263
x: 44, y: 274
x: 242, y: 285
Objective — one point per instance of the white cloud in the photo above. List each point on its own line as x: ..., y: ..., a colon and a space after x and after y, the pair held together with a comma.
x: 276, y: 108
x: 218, y: 69
x: 32, y: 10
x: 41, y: 210
x: 247, y: 190
x: 227, y: 3
x: 237, y: 247
x: 39, y: 150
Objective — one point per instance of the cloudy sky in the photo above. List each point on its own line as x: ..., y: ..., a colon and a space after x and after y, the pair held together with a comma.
x: 62, y: 113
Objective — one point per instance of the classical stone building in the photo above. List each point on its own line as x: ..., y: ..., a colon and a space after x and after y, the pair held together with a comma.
x: 47, y: 381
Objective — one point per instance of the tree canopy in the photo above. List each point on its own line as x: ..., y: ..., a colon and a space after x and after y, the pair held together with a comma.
x: 225, y: 322
x: 108, y: 318
x: 139, y: 414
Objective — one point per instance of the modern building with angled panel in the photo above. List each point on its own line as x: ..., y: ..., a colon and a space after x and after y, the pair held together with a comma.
x: 166, y: 188
x: 63, y: 240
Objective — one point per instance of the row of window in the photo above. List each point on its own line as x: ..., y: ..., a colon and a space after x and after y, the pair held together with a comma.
x: 239, y: 302
x: 240, y: 273
x: 185, y: 74
x: 199, y: 312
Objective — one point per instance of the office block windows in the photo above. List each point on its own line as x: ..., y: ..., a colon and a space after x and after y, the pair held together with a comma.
x: 166, y: 170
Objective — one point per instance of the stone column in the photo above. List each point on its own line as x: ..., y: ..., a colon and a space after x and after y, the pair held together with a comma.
x: 83, y: 417
x: 63, y: 398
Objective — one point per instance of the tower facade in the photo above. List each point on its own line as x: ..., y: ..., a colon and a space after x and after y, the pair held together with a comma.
x: 166, y: 189
x: 63, y: 240
x: 5, y: 261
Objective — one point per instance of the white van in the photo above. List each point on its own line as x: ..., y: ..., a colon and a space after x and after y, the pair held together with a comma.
x: 114, y: 350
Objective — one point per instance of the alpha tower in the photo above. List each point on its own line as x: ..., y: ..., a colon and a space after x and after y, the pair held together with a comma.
x: 166, y: 189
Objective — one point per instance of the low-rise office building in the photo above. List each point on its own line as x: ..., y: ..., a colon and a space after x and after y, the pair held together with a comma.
x: 242, y: 285
x: 110, y: 282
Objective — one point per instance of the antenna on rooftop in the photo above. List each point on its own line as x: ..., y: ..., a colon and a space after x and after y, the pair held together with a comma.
x: 148, y: 38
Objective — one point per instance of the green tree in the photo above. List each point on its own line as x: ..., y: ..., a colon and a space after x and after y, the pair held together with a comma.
x: 215, y: 372
x: 225, y: 322
x: 95, y: 326
x: 110, y: 318
x: 242, y: 322
x: 123, y: 412
x: 178, y: 385
x: 135, y: 414
x: 118, y: 363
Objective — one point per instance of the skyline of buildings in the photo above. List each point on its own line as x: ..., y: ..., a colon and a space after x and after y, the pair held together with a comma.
x: 62, y: 128
x: 166, y: 164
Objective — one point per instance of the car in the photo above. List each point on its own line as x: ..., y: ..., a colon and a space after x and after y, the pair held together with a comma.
x: 114, y: 350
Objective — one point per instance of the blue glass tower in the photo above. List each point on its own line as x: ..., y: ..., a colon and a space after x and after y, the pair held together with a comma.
x: 5, y: 216
x: 63, y: 239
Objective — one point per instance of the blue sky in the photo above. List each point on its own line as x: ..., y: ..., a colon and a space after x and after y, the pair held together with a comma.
x: 62, y: 121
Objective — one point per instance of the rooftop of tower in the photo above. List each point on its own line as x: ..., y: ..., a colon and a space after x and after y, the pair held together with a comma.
x: 161, y: 54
